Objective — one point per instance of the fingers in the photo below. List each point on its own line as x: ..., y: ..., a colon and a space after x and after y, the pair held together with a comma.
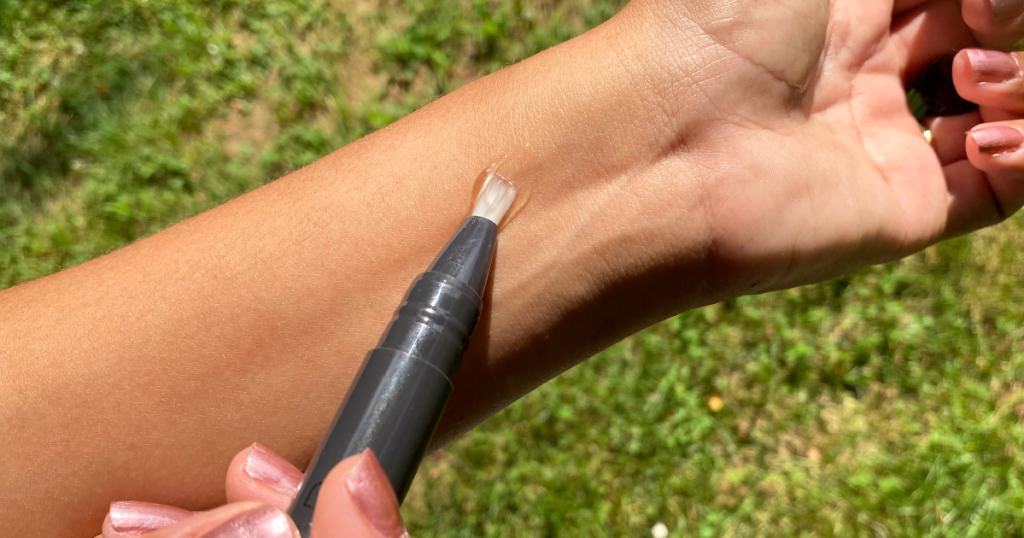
x: 356, y: 501
x: 996, y: 23
x: 255, y: 474
x: 984, y: 168
x: 971, y: 205
x: 239, y: 520
x: 990, y: 78
x: 129, y: 518
x: 926, y: 33
x: 996, y: 149
x: 988, y: 186
x: 949, y: 136
x: 259, y: 474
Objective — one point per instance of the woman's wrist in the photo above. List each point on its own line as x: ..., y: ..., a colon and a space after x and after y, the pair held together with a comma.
x: 601, y: 248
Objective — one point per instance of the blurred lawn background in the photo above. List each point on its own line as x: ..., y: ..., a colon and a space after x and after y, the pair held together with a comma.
x: 888, y: 403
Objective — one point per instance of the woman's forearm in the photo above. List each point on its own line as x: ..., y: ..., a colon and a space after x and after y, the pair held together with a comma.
x: 679, y: 154
x: 121, y: 377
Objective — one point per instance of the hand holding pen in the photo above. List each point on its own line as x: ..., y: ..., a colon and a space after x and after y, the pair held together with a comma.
x: 356, y: 502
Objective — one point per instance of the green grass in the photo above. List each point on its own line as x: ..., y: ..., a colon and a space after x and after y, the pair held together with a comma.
x: 888, y: 403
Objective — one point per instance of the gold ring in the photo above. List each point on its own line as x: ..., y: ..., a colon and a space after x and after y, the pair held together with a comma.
x: 927, y: 133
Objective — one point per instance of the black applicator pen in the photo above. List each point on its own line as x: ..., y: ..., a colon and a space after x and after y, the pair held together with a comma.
x: 396, y: 401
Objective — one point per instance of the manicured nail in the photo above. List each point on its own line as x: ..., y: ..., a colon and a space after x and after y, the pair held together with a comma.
x: 997, y: 139
x: 266, y: 467
x: 129, y: 517
x: 266, y: 522
x: 992, y: 66
x: 1004, y: 10
x: 373, y: 495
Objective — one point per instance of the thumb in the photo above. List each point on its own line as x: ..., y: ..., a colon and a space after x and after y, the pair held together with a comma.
x: 356, y: 501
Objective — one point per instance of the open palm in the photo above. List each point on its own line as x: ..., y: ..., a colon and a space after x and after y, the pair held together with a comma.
x: 813, y: 162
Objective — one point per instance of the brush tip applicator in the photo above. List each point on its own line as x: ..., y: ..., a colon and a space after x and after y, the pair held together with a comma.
x: 495, y: 198
x: 396, y: 400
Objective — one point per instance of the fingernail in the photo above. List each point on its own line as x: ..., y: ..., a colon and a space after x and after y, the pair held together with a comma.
x: 266, y: 467
x: 373, y: 495
x: 266, y: 522
x: 1003, y: 10
x: 992, y: 66
x: 130, y: 517
x: 997, y: 139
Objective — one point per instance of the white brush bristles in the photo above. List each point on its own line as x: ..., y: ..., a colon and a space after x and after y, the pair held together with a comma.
x: 495, y: 197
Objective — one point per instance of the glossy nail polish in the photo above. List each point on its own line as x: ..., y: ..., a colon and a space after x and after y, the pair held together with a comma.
x: 1004, y: 10
x: 129, y: 517
x: 272, y: 470
x: 992, y: 66
x: 997, y: 139
x: 370, y: 488
x: 266, y: 522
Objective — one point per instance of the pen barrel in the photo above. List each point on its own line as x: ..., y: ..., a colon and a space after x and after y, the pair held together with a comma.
x: 392, y: 409
x: 399, y: 394
x: 435, y: 321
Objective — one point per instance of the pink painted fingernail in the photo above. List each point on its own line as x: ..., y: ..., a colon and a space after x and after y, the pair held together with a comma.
x: 992, y: 66
x: 372, y: 492
x: 1004, y: 10
x: 266, y: 467
x: 132, y: 518
x: 266, y: 522
x: 997, y: 139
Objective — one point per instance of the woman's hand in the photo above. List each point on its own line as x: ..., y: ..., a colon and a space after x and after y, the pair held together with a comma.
x: 790, y: 116
x: 356, y: 501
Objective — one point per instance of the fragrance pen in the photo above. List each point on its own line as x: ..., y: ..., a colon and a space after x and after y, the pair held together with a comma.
x: 396, y: 400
